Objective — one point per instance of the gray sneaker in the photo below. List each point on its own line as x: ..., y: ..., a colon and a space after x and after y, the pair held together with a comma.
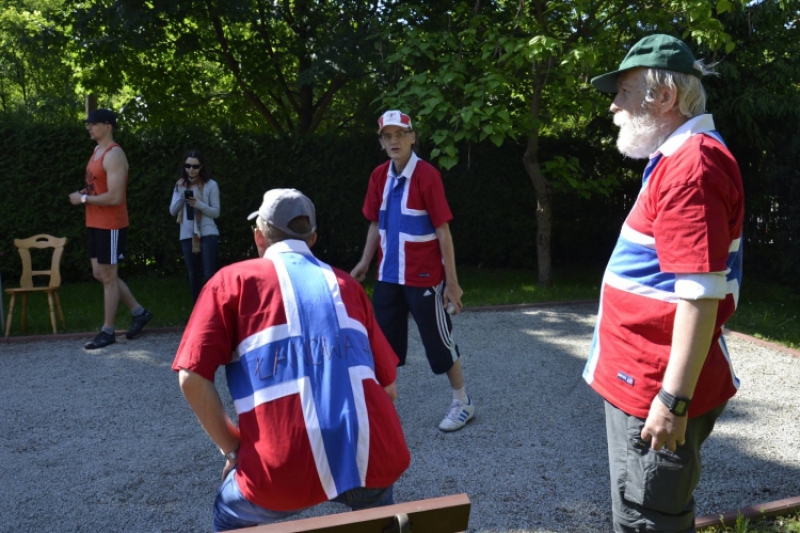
x: 458, y: 415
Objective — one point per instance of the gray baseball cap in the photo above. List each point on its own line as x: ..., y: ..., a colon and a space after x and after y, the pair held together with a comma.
x: 281, y: 206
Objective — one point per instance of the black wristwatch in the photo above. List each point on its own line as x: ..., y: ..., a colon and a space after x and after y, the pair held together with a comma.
x: 677, y: 406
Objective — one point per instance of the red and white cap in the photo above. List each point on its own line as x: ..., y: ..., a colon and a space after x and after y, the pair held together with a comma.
x: 394, y: 118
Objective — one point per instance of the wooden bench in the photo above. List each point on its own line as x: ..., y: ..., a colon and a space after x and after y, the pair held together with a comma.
x: 449, y: 514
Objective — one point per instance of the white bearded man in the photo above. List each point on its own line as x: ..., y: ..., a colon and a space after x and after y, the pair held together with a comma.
x: 658, y: 357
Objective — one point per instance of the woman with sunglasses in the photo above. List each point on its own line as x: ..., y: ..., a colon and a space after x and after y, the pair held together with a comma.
x: 195, y: 203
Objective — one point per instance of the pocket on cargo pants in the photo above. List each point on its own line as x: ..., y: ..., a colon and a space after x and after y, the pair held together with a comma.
x: 660, y: 480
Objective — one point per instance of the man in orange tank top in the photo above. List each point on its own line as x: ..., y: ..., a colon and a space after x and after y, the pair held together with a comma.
x: 107, y: 220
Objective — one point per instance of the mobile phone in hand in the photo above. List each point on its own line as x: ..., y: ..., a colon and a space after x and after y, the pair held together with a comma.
x: 189, y: 209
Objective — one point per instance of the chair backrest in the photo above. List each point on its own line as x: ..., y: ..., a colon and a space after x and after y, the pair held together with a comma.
x: 448, y: 514
x: 40, y: 241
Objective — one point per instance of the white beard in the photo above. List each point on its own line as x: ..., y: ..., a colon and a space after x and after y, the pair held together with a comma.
x: 640, y: 135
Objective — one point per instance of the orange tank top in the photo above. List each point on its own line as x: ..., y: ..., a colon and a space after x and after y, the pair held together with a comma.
x: 104, y: 216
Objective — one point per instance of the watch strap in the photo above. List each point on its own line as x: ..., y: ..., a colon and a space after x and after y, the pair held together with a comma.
x: 676, y: 405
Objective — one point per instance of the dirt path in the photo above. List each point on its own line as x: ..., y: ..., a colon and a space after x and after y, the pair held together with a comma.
x: 104, y: 441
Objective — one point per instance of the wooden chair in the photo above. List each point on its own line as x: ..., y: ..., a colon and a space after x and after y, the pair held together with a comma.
x: 449, y: 514
x: 26, y: 286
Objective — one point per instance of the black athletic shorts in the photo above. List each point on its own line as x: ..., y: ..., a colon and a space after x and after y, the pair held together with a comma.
x: 392, y: 303
x: 108, y: 246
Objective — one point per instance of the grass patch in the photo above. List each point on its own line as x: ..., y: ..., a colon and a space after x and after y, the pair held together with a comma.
x: 503, y: 287
x: 495, y: 286
x: 82, y: 303
x: 770, y: 312
x: 767, y: 311
x: 787, y: 524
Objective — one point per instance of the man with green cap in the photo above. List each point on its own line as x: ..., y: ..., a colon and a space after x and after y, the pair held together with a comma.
x: 658, y: 357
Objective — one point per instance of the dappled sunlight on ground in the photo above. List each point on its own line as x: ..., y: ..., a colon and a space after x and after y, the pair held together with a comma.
x: 108, y: 443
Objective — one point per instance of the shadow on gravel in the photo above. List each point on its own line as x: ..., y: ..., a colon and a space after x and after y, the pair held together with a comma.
x: 104, y: 441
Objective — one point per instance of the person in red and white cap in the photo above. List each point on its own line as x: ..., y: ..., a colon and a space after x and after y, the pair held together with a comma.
x: 409, y: 228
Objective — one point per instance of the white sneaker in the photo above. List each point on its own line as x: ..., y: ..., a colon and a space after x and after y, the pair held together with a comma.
x: 458, y: 415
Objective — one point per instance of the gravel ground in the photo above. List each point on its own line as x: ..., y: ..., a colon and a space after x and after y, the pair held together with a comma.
x: 104, y: 442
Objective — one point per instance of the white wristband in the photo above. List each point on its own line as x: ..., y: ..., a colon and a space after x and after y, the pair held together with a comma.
x: 231, y: 455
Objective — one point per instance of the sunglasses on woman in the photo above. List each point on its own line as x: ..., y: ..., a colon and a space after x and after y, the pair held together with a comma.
x: 196, y: 167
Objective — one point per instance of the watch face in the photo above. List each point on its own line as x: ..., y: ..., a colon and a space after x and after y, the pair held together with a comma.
x: 676, y: 406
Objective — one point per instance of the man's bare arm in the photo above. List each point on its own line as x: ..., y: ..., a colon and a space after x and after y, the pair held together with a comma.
x: 204, y: 400
x: 391, y: 390
x: 691, y: 339
x: 370, y: 247
x: 452, y: 290
x: 116, y: 166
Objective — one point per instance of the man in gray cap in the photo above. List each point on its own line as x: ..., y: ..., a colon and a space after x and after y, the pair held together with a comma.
x: 311, y: 375
x: 658, y: 357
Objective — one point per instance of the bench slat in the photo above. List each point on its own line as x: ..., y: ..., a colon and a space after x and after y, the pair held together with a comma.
x: 448, y: 514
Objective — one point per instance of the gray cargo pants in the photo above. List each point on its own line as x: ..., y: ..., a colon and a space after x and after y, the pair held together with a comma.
x: 653, y: 490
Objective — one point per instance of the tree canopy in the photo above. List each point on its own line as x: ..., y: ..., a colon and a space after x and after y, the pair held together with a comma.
x: 284, y: 66
x: 504, y: 70
x: 37, y: 68
x: 469, y: 72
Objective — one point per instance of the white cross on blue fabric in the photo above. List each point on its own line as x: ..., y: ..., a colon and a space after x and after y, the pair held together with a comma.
x: 321, y: 354
x: 398, y: 224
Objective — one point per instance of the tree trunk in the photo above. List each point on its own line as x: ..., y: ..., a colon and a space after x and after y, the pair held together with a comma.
x: 305, y: 115
x: 544, y: 210
x: 544, y: 192
x: 91, y: 103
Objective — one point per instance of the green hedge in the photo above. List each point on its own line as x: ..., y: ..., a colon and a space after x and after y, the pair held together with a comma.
x: 492, y: 200
x: 491, y: 197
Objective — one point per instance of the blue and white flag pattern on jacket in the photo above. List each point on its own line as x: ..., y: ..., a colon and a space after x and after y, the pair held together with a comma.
x: 634, y: 264
x: 321, y: 354
x: 399, y: 224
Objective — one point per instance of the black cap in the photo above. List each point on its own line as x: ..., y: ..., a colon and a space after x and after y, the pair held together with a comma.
x: 102, y: 116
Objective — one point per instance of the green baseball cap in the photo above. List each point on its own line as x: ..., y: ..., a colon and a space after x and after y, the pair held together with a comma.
x: 654, y: 51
